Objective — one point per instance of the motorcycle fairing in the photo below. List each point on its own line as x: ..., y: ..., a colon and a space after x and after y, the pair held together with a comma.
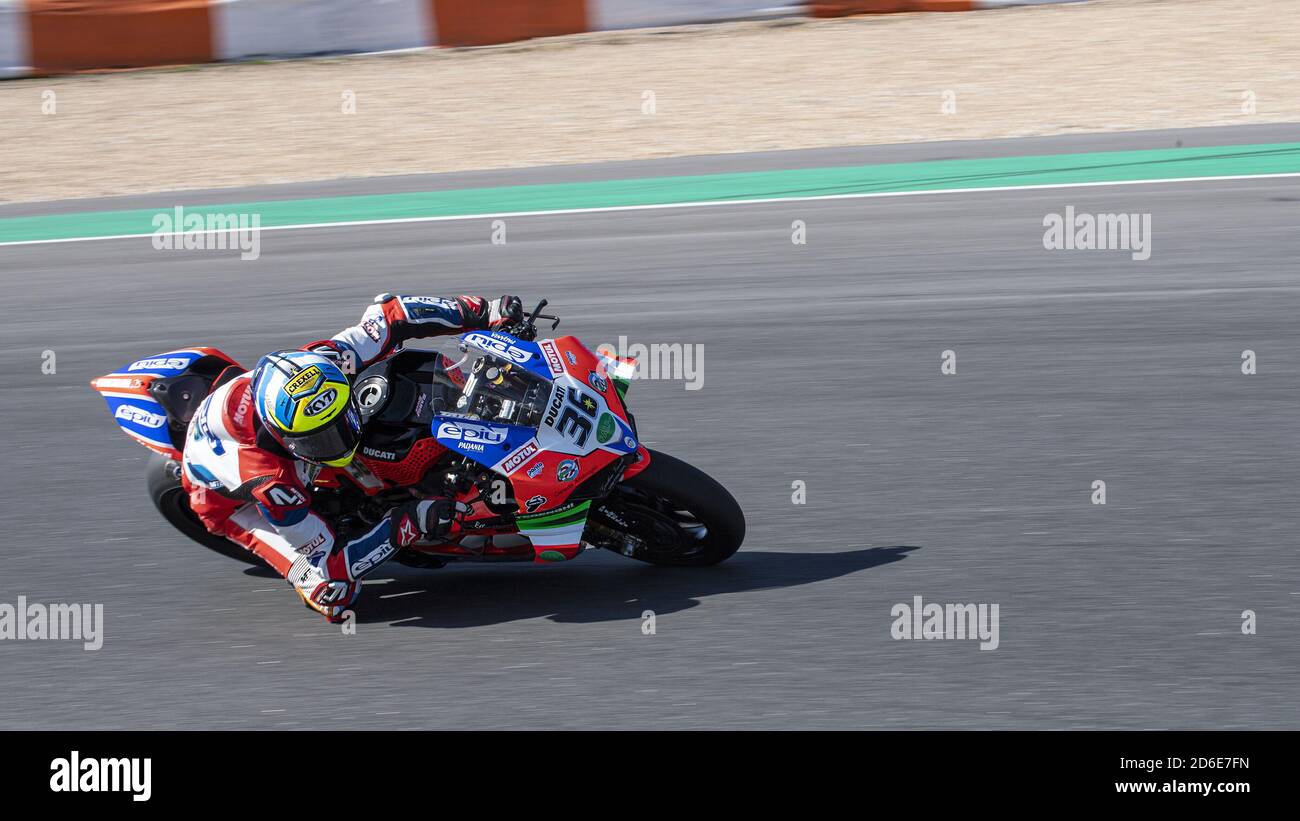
x: 586, y: 372
x: 525, y: 354
x: 487, y: 443
x: 152, y: 399
x: 581, y: 427
x: 621, y: 370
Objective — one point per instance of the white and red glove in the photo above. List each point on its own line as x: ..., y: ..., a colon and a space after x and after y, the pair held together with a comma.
x: 427, y: 520
x: 504, y: 310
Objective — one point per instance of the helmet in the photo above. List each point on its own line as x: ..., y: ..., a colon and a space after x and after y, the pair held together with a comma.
x: 305, y: 402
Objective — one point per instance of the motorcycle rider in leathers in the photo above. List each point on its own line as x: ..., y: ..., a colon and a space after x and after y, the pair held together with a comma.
x: 257, y: 442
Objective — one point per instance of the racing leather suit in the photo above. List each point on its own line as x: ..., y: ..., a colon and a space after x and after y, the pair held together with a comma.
x: 244, y: 486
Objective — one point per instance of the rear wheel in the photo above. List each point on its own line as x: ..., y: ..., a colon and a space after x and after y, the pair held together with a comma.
x: 173, y: 503
x: 669, y: 514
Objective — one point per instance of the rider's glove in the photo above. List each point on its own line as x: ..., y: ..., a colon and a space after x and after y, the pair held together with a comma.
x: 341, y: 354
x: 430, y: 519
x: 505, y: 310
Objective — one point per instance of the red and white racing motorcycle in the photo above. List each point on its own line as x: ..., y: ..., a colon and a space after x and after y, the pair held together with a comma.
x: 534, y: 437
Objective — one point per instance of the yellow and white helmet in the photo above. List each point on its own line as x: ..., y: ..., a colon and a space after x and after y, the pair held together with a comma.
x: 305, y: 402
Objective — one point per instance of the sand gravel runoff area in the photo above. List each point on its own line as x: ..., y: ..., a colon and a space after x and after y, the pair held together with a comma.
x: 792, y: 83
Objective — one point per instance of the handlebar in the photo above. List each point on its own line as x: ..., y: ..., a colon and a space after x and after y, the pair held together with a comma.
x: 525, y: 328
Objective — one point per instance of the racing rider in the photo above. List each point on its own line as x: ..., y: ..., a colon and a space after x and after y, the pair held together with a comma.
x: 258, y: 441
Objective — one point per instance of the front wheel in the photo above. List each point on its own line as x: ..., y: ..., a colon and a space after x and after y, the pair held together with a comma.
x: 173, y: 503
x: 669, y: 514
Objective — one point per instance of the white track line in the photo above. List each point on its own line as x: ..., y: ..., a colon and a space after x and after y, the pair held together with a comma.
x: 615, y: 208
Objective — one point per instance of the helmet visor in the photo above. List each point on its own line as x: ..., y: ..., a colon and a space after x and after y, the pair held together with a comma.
x: 331, y: 445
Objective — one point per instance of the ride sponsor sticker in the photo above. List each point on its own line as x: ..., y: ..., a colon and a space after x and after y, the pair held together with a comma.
x: 552, y: 354
x: 515, y: 460
x: 303, y: 382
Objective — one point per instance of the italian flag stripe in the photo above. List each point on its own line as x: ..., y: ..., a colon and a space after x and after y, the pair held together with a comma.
x: 562, y: 518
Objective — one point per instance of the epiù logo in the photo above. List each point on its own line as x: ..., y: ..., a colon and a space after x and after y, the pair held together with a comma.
x: 140, y: 416
x: 77, y: 774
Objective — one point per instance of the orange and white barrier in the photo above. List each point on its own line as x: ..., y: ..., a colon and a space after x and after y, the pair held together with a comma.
x: 15, y: 60
x: 604, y: 15
x: 841, y: 8
x: 58, y: 36
x: 75, y: 35
x: 243, y: 29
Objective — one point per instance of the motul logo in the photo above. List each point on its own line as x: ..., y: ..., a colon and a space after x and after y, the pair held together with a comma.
x: 241, y: 411
x: 520, y: 456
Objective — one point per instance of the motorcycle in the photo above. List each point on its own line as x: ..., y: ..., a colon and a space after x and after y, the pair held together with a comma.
x: 533, y: 438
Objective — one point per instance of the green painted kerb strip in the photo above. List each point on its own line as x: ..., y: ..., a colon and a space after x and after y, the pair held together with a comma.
x: 1110, y: 166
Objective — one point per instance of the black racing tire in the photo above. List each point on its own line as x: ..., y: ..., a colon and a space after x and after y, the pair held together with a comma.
x: 173, y: 503
x: 688, y: 494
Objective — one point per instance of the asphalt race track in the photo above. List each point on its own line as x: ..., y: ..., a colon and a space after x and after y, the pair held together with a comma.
x: 822, y: 364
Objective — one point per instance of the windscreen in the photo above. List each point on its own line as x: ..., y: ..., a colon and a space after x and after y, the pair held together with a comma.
x: 500, y: 391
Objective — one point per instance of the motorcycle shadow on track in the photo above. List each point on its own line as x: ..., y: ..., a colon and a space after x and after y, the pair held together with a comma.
x: 593, y: 588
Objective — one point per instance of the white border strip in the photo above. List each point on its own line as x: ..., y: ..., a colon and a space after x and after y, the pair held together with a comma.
x: 616, y: 208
